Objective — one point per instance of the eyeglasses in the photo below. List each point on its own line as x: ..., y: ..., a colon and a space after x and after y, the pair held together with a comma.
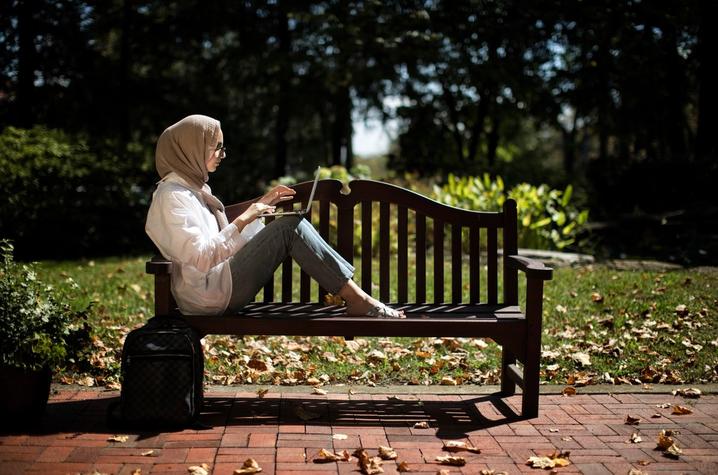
x: 222, y: 149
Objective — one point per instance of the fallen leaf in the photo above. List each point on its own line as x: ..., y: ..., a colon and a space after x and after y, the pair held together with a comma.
x: 681, y: 410
x: 325, y: 456
x: 340, y: 436
x: 198, y: 469
x: 368, y: 465
x: 673, y: 451
x: 596, y: 297
x: 632, y: 421
x: 249, y: 466
x: 451, y: 460
x: 137, y: 471
x: 403, y: 467
x: 569, y: 391
x: 635, y: 471
x: 540, y: 462
x: 448, y: 381
x: 492, y: 472
x: 387, y: 453
x: 421, y: 425
x: 261, y: 392
x: 118, y: 438
x: 635, y: 438
x: 690, y: 393
x: 581, y: 358
x: 567, y: 438
x: 553, y: 429
x: 656, y: 416
x: 665, y: 405
x: 393, y: 398
x: 664, y: 440
x: 459, y: 445
x: 643, y: 463
x: 148, y: 453
x: 319, y: 391
x: 681, y: 310
x: 443, y: 472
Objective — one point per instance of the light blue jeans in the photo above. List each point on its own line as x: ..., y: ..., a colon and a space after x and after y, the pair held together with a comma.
x: 254, y: 265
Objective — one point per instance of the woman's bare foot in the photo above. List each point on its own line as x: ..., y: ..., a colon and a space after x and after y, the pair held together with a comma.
x: 359, y: 303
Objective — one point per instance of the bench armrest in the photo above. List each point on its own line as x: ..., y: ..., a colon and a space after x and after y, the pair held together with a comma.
x: 158, y: 266
x: 532, y: 267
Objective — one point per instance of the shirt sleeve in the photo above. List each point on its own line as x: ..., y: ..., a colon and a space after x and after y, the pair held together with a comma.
x: 176, y: 226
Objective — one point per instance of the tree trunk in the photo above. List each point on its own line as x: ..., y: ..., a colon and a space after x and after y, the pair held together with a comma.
x: 27, y: 57
x: 705, y: 146
x: 283, y: 113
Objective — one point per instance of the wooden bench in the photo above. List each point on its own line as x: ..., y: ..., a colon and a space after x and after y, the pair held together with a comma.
x: 476, y: 311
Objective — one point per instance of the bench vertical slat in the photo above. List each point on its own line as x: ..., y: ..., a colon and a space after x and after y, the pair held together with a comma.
x: 269, y: 286
x: 511, y: 278
x: 420, y: 258
x: 384, y: 276
x: 455, y: 263
x: 438, y: 261
x: 491, y: 264
x: 324, y: 233
x: 305, y: 282
x: 475, y: 264
x: 402, y: 257
x: 345, y: 232
x: 366, y: 240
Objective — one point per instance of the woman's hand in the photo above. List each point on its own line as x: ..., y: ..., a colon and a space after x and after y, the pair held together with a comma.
x: 255, y: 210
x: 277, y: 194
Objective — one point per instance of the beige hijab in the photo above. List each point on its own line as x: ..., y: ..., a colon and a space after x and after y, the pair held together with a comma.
x: 183, y: 148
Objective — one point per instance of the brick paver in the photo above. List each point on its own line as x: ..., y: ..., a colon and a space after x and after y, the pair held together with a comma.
x: 73, y: 437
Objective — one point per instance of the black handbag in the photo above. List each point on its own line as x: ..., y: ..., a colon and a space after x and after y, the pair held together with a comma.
x: 162, y: 375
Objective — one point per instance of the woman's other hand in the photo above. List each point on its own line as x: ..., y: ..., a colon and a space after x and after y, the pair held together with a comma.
x: 255, y: 210
x: 279, y: 193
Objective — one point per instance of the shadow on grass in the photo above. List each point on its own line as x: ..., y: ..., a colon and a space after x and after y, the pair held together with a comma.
x: 446, y: 418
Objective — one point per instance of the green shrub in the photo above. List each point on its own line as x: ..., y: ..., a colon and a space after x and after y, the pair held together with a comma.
x: 66, y: 198
x: 547, y: 218
x: 38, y: 328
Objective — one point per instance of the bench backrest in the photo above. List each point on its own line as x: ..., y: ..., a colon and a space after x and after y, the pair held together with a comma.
x: 342, y: 215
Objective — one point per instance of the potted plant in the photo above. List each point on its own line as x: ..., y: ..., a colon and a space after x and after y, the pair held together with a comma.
x: 39, y: 332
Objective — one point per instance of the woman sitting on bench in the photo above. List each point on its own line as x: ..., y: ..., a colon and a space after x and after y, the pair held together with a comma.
x: 220, y: 266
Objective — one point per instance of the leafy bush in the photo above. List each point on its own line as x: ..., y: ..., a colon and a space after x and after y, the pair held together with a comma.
x: 38, y: 328
x: 65, y: 198
x: 547, y: 218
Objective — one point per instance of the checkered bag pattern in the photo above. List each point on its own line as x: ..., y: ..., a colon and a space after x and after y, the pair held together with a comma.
x: 162, y: 370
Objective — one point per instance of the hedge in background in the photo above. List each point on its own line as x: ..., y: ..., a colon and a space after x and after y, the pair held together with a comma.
x: 64, y: 198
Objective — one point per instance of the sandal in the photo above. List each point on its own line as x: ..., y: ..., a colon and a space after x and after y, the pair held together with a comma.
x: 382, y: 311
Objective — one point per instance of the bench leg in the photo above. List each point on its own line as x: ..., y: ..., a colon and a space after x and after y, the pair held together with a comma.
x: 532, y: 362
x: 508, y: 386
x: 530, y: 397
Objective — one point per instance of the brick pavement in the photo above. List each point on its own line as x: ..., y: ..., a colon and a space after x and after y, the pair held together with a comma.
x: 73, y: 437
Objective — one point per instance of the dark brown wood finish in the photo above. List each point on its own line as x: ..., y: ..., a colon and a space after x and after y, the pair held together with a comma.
x: 518, y: 332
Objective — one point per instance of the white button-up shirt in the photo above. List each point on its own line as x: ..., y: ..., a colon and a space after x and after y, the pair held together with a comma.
x: 187, y: 233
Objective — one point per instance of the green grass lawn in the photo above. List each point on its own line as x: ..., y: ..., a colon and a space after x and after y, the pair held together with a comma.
x: 600, y: 325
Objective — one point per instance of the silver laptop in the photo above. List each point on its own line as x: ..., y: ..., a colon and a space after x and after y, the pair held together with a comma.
x: 300, y: 212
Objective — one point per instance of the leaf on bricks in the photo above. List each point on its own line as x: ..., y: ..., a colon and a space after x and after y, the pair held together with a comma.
x: 664, y: 440
x: 635, y: 471
x: 492, y: 472
x: 148, y: 453
x: 421, y: 425
x: 632, y: 421
x: 387, y: 453
x: 691, y: 393
x: 451, y: 460
x: 249, y: 466
x: 137, y: 471
x: 118, y: 438
x: 635, y: 438
x: 673, y: 451
x: 198, y: 469
x: 540, y: 462
x: 403, y: 467
x: 325, y: 456
x: 458, y: 445
x: 368, y: 465
x: 340, y: 436
x: 681, y: 410
x: 665, y: 405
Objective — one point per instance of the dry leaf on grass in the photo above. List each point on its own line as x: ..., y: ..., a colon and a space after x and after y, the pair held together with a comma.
x: 448, y: 381
x: 198, y: 469
x: 596, y: 297
x: 681, y: 410
x: 421, y: 425
x: 325, y: 456
x: 451, y: 460
x: 368, y: 465
x: 632, y: 421
x: 118, y: 438
x: 681, y: 310
x: 458, y: 445
x: 584, y: 359
x: 249, y: 466
x: 387, y: 453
